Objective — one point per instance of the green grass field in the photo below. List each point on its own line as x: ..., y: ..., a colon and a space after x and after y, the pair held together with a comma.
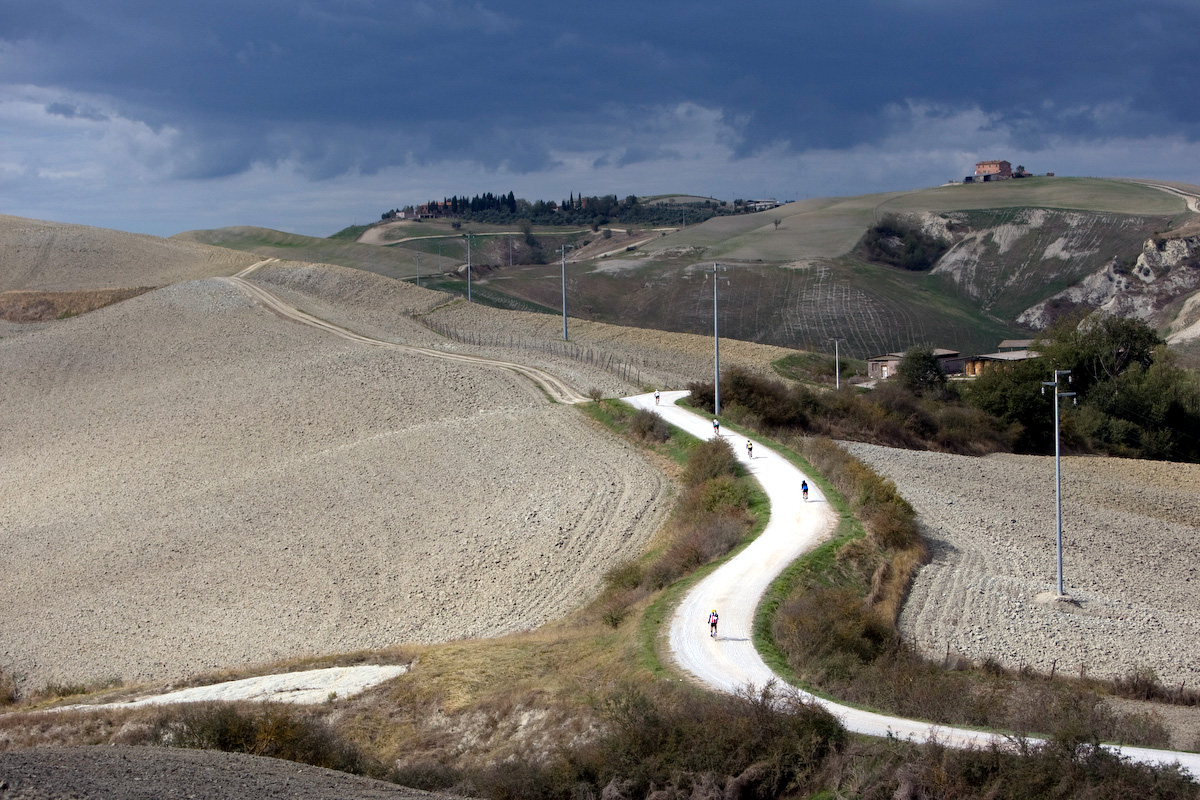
x: 801, y: 282
x: 391, y: 262
x: 1083, y: 194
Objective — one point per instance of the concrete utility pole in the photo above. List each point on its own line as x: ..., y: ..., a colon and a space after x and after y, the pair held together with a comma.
x: 716, y: 348
x: 564, y: 249
x: 468, y: 266
x: 1058, y: 374
x: 837, y: 363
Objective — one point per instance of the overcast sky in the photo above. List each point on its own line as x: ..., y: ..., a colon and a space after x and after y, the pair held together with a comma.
x: 309, y: 115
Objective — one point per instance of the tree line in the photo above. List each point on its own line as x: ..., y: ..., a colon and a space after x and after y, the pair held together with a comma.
x: 574, y: 210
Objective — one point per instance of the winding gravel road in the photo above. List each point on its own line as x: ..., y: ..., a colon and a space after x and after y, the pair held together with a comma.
x: 557, y: 390
x: 730, y: 661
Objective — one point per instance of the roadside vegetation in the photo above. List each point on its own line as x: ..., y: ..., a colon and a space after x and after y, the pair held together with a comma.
x: 1132, y: 400
x: 898, y: 414
x: 831, y: 620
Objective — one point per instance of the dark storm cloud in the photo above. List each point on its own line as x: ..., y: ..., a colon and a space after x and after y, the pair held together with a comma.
x: 360, y: 85
x: 75, y: 111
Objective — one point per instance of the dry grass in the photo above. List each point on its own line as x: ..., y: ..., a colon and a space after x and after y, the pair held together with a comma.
x: 43, y: 306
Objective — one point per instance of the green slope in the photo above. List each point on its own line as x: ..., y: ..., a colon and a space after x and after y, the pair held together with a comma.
x: 393, y: 262
x: 799, y: 283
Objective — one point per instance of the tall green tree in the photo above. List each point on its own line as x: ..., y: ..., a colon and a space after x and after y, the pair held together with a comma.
x: 921, y: 371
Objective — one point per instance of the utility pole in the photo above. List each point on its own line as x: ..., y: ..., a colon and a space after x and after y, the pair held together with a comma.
x: 1056, y: 383
x: 564, y: 288
x: 716, y: 348
x: 837, y: 364
x: 468, y: 235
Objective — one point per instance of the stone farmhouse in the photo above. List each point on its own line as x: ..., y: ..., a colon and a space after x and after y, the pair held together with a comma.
x: 987, y: 171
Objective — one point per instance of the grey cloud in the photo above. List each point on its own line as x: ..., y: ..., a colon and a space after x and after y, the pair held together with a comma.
x: 76, y: 111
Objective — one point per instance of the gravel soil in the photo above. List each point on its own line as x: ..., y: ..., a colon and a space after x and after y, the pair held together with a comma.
x: 662, y: 359
x: 1131, y: 561
x: 55, y: 257
x: 150, y: 773
x: 192, y: 483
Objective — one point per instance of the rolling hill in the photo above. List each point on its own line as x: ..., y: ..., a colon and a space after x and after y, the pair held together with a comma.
x: 793, y: 276
x: 390, y: 262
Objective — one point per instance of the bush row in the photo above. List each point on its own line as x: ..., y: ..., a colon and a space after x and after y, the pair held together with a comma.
x: 710, y: 519
x: 892, y: 414
x: 838, y: 630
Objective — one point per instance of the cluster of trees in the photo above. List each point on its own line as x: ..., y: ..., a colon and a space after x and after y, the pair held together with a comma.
x: 902, y: 243
x: 1132, y: 398
x: 575, y: 210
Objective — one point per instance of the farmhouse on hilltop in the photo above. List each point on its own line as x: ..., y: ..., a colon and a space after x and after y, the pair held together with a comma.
x: 990, y: 171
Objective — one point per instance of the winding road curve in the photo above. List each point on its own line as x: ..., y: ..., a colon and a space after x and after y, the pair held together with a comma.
x: 557, y: 389
x: 730, y: 662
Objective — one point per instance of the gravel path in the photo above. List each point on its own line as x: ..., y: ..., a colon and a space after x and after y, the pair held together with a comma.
x: 193, y: 483
x: 1131, y: 561
x: 153, y: 773
x: 729, y: 662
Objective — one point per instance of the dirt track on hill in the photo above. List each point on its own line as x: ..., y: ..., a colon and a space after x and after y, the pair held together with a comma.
x: 193, y: 483
x: 1131, y: 560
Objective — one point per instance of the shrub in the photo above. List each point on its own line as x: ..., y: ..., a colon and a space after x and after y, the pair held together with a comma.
x: 271, y: 729
x: 9, y: 693
x: 720, y: 495
x: 650, y: 427
x: 765, y: 742
x: 902, y: 243
x: 826, y: 625
x: 626, y: 575
x: 709, y: 459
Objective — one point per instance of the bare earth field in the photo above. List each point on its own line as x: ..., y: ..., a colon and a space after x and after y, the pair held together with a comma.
x: 55, y: 257
x: 191, y: 483
x: 1131, y: 561
x: 664, y: 359
x: 108, y: 773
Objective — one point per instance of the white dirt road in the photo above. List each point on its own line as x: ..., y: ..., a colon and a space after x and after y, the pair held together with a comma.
x: 730, y: 662
x: 308, y: 687
x: 556, y: 389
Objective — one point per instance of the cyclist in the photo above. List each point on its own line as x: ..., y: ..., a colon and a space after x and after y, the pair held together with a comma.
x: 656, y: 397
x: 749, y: 449
x: 804, y: 489
x: 716, y: 427
x: 712, y: 624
